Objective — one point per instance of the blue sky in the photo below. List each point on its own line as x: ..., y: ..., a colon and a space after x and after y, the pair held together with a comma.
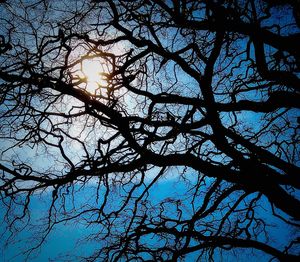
x: 64, y: 237
x: 63, y: 240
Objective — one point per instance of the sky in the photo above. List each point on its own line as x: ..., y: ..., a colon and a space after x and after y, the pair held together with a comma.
x: 64, y: 237
x: 63, y: 240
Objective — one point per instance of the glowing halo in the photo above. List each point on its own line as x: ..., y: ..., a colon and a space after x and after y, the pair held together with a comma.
x: 93, y: 71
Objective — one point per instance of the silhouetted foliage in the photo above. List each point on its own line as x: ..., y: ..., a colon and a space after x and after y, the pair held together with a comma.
x: 203, y: 95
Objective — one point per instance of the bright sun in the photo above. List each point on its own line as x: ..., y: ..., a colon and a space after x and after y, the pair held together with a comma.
x: 93, y: 71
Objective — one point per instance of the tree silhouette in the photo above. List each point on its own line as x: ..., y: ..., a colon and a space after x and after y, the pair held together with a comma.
x: 105, y: 102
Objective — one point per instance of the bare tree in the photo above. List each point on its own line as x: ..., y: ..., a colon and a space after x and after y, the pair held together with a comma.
x: 101, y: 101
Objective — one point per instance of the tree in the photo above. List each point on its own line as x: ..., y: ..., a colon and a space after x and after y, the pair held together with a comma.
x: 103, y: 100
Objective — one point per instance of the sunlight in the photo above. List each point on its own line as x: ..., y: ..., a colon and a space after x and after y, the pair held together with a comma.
x: 93, y: 71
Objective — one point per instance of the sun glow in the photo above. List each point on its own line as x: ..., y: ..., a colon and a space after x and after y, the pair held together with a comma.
x: 93, y: 72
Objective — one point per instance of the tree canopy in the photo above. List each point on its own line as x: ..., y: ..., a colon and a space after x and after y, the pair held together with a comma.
x: 106, y: 103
